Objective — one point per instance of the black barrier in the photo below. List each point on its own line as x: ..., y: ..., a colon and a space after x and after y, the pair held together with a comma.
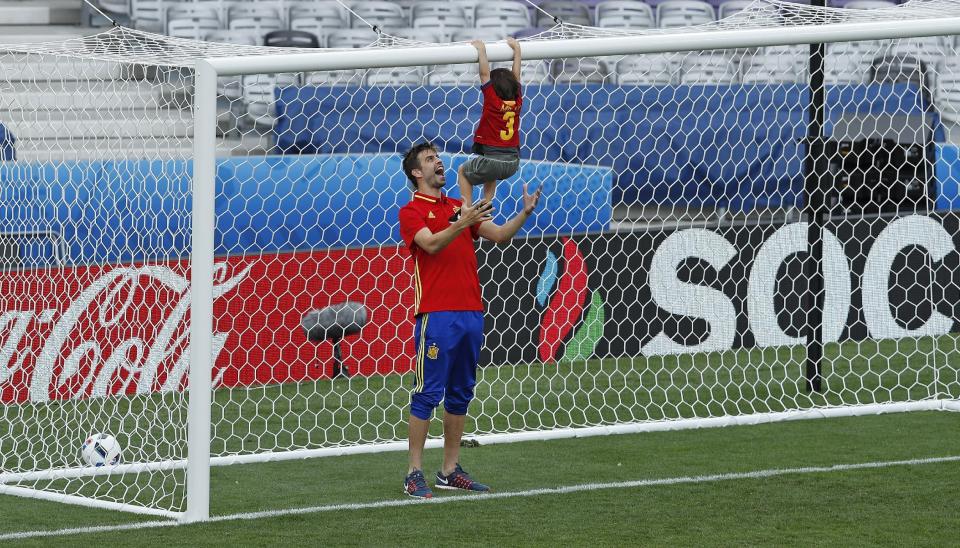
x: 703, y: 290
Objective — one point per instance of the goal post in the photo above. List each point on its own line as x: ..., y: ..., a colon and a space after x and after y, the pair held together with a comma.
x: 662, y: 284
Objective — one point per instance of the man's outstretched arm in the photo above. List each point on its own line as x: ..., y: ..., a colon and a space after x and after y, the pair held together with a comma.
x: 503, y: 233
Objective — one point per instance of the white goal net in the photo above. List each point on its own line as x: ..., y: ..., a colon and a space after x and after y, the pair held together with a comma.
x: 724, y: 236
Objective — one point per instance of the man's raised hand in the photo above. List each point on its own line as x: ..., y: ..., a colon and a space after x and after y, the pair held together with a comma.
x: 479, y: 212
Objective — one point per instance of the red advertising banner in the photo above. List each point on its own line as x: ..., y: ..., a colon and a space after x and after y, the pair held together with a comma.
x: 99, y: 330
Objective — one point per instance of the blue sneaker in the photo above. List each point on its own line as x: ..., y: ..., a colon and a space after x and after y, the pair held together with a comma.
x: 458, y: 479
x: 415, y: 485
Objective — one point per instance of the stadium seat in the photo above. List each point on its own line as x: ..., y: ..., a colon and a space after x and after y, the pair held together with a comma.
x: 121, y: 7
x: 351, y: 38
x: 844, y: 69
x: 485, y: 34
x: 684, y: 13
x: 221, y: 7
x: 239, y: 37
x: 948, y: 96
x: 930, y: 50
x: 513, y: 13
x: 324, y: 9
x: 709, y: 70
x: 535, y: 73
x: 528, y: 32
x: 731, y: 7
x: 774, y: 69
x: 453, y: 75
x: 436, y: 8
x: 183, y: 10
x: 335, y: 78
x: 567, y: 11
x: 258, y: 94
x: 385, y: 15
x: 868, y: 4
x: 318, y: 26
x: 252, y: 11
x: 441, y: 25
x: 503, y: 25
x: 260, y: 25
x: 625, y: 14
x: 899, y: 69
x: 418, y: 35
x: 651, y: 69
x: 584, y: 70
x: 291, y: 39
x: 469, y: 8
x: 193, y: 28
x: 407, y: 76
x: 150, y: 15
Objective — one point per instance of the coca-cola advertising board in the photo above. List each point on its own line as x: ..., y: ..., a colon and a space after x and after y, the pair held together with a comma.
x: 123, y: 329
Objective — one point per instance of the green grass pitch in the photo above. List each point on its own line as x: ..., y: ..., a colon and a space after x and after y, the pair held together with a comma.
x: 894, y: 505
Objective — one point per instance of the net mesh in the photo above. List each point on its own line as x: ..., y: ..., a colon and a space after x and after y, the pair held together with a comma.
x: 665, y: 276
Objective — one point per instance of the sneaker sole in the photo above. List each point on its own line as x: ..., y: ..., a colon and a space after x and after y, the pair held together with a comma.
x: 452, y: 488
x: 411, y: 495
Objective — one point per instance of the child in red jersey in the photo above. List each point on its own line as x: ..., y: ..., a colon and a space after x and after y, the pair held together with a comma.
x: 497, y: 140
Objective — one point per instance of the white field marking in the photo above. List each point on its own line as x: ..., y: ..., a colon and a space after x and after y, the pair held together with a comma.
x: 758, y: 474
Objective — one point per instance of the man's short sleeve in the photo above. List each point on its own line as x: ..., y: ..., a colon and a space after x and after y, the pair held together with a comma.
x: 411, y: 221
x: 475, y: 231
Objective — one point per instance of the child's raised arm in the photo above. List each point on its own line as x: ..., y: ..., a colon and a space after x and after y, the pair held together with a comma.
x: 483, y: 63
x: 515, y: 46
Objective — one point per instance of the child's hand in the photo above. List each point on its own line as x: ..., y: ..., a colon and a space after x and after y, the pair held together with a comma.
x: 479, y: 45
x: 514, y: 45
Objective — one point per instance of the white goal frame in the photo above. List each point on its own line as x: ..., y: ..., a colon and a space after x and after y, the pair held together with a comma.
x: 207, y: 72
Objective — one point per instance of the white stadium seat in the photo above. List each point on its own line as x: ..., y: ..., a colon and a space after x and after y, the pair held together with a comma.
x: 259, y: 25
x: 385, y: 15
x: 453, y: 75
x: 193, y: 28
x: 351, y: 38
x: 503, y: 25
x: 869, y: 4
x: 568, y: 12
x: 732, y: 7
x: 625, y: 14
x: 773, y: 69
x: 407, y: 76
x: 441, y: 25
x: 436, y: 8
x: 684, y: 13
x: 584, y: 70
x: 514, y: 12
x: 651, y: 69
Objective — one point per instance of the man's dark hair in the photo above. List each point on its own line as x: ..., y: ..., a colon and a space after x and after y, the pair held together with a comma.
x: 411, y: 160
x: 505, y: 84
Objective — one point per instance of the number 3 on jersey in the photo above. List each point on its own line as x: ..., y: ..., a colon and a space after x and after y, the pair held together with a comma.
x: 509, y: 118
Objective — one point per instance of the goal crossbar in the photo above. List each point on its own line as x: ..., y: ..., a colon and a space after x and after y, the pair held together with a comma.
x: 587, y: 47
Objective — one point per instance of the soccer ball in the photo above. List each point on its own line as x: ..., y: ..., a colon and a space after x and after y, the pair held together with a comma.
x: 100, y: 450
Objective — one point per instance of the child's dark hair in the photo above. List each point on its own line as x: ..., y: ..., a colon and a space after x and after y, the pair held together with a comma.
x: 505, y: 84
x: 411, y: 160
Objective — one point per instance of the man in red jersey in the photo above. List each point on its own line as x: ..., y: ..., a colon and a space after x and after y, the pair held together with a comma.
x: 449, y: 312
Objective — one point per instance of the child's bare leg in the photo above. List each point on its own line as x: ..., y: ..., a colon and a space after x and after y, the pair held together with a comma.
x: 489, y: 190
x: 466, y: 189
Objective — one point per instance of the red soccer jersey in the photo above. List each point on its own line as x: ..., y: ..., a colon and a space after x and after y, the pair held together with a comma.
x: 448, y: 280
x: 500, y: 121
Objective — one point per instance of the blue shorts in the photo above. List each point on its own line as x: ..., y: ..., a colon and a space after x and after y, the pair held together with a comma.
x: 448, y: 349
